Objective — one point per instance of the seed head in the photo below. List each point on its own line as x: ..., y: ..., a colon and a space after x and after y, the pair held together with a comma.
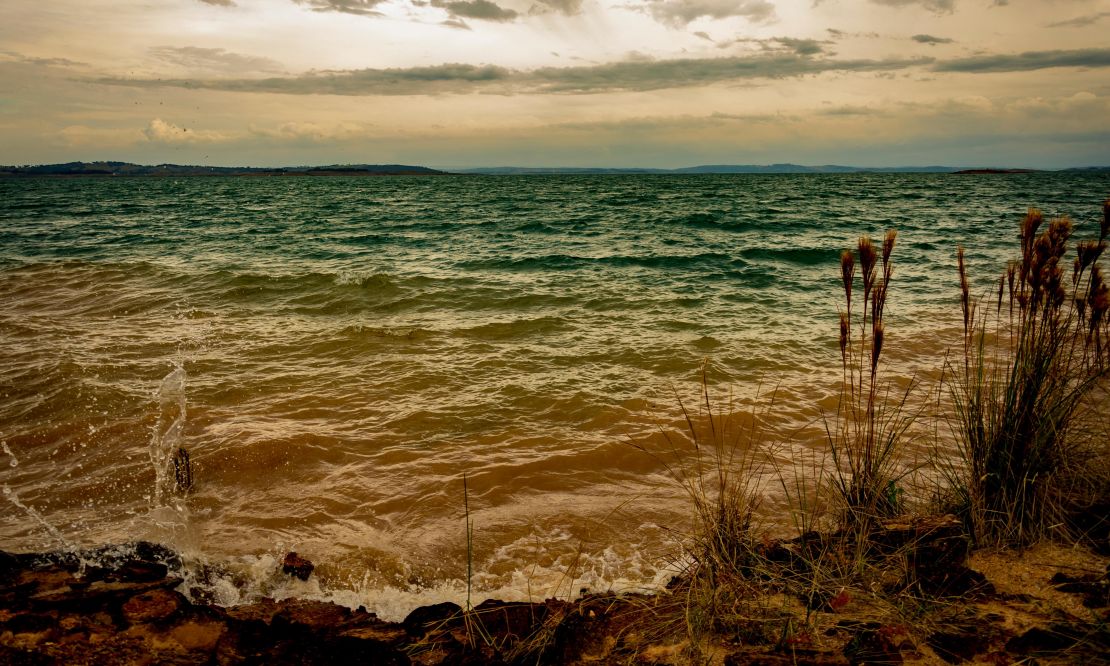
x: 1030, y: 224
x: 847, y: 273
x: 867, y: 258
x: 1088, y: 252
x: 876, y: 346
x: 965, y: 289
x: 888, y: 245
x: 845, y: 332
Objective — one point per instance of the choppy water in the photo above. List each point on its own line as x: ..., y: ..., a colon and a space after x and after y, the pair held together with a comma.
x: 351, y: 347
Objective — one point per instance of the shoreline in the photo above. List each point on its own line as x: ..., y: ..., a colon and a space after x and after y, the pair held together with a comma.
x: 133, y: 603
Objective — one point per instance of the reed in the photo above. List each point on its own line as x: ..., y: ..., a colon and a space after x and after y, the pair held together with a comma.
x: 1021, y: 393
x: 867, y: 431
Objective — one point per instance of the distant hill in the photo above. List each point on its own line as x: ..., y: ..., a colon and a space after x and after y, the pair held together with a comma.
x: 710, y: 168
x: 127, y: 169
x: 1090, y: 169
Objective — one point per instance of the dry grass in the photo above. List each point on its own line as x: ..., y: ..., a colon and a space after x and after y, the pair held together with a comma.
x: 1021, y: 392
x: 871, y: 423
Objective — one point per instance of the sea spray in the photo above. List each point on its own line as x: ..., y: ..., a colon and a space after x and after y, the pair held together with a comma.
x: 169, y: 511
x: 166, y: 436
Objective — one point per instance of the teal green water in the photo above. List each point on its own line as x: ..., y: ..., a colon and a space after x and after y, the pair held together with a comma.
x: 351, y: 347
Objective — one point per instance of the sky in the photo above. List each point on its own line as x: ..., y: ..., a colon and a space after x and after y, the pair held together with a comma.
x: 621, y: 83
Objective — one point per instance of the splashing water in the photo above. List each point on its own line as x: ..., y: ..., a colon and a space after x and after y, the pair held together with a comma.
x: 165, y: 439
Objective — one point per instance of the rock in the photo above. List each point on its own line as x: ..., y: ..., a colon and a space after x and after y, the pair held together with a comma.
x: 311, y: 614
x: 198, y: 635
x: 508, y: 620
x: 426, y: 618
x: 139, y: 571
x: 297, y: 566
x: 153, y: 606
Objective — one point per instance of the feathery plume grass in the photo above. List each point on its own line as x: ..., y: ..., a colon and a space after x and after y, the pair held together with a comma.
x: 868, y: 427
x: 1020, y: 404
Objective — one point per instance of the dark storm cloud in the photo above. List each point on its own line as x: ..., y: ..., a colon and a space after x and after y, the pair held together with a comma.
x: 627, y: 76
x: 935, y: 5
x: 1027, y: 62
x: 482, y: 10
x: 931, y: 39
x: 1080, y: 21
x: 357, y: 7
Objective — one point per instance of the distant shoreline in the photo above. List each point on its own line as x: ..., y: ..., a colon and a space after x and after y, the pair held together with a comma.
x: 126, y: 169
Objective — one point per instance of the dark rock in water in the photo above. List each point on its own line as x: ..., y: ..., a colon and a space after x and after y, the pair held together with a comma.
x: 295, y: 565
x: 426, y: 618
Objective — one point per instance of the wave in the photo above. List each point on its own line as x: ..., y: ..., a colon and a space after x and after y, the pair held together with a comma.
x: 805, y: 256
x: 571, y: 262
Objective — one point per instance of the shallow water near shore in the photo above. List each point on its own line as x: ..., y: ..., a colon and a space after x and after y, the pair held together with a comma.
x: 348, y: 348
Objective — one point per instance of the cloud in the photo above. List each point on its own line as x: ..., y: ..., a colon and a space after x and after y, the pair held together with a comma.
x: 931, y: 39
x: 219, y: 3
x: 195, y: 57
x: 357, y: 7
x: 482, y: 10
x: 679, y: 13
x: 938, y: 6
x: 626, y: 76
x: 160, y: 131
x: 802, y: 46
x: 313, y: 132
x: 1080, y: 21
x: 1027, y: 62
x: 12, y: 56
x: 568, y: 7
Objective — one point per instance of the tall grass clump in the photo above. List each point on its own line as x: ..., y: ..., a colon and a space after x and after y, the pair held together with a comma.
x: 1029, y: 366
x: 865, y: 436
x: 718, y: 459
